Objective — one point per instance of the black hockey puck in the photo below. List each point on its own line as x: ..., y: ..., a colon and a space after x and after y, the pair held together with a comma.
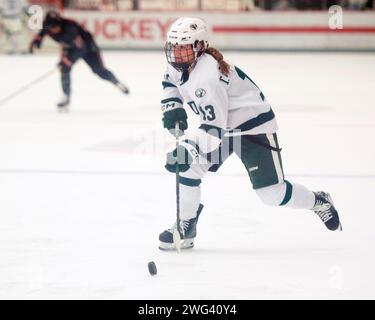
x: 152, y: 268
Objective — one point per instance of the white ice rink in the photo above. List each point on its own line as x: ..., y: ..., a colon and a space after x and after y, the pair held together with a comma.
x: 84, y: 195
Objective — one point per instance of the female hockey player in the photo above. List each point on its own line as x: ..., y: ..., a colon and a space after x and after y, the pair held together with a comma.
x: 76, y: 43
x: 235, y: 118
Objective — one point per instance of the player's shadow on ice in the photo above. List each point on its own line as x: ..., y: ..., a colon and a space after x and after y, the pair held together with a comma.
x: 271, y: 251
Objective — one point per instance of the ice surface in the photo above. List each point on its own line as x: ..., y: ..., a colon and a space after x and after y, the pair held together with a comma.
x: 84, y: 195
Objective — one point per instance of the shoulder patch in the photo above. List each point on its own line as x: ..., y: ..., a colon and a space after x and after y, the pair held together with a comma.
x: 200, y: 93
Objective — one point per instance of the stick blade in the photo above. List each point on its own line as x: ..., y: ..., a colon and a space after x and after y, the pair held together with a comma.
x: 177, y: 240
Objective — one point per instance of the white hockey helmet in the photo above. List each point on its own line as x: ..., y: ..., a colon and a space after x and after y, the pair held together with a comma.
x: 191, y: 35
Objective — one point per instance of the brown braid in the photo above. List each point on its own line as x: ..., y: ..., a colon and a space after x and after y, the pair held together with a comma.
x: 224, y: 67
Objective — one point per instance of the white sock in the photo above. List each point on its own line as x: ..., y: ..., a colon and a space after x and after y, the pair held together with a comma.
x: 189, y: 201
x: 302, y: 198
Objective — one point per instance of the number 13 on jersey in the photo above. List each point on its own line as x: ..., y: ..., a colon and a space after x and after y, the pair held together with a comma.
x: 207, y: 112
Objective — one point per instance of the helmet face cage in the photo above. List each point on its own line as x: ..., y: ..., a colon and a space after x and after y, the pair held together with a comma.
x: 183, y: 57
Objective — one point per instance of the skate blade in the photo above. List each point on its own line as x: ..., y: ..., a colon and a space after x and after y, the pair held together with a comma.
x: 340, y: 227
x: 63, y: 110
x: 177, y: 240
x: 185, y: 244
x: 124, y: 89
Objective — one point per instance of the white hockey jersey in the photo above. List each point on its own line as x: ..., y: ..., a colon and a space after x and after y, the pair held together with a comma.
x: 12, y: 8
x: 234, y: 103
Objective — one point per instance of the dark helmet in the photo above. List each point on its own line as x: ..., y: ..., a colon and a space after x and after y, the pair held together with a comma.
x: 51, y: 20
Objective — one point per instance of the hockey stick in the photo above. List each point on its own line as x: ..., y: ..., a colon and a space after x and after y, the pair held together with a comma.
x: 27, y: 86
x: 177, y: 233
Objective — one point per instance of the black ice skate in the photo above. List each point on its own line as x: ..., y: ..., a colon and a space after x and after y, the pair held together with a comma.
x: 326, y: 211
x: 187, y: 238
x: 63, y: 104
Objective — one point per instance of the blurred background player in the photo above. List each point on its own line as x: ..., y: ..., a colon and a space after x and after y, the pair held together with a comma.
x: 13, y: 15
x: 76, y: 43
x: 235, y: 118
